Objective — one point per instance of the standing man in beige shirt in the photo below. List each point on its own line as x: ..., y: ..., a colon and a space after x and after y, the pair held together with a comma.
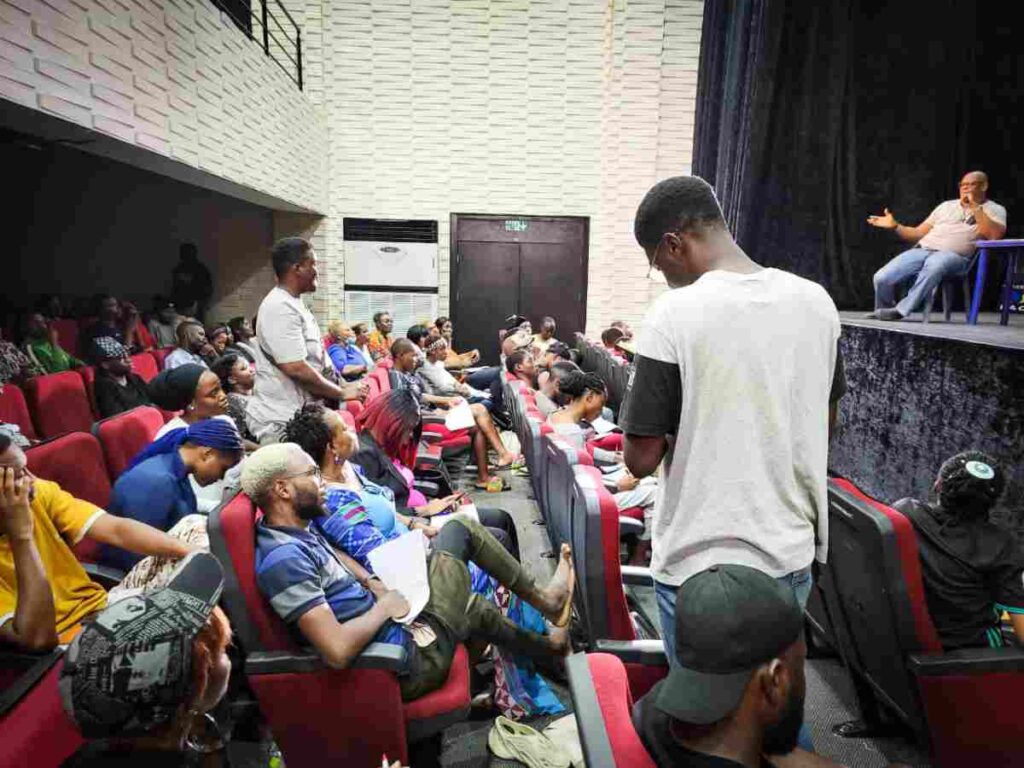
x: 944, y: 245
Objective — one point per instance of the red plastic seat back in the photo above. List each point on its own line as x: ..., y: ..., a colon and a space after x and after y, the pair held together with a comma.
x: 348, y: 418
x: 59, y: 404
x: 233, y: 541
x: 67, y: 335
x: 14, y: 410
x: 160, y: 355
x: 36, y: 731
x: 125, y: 434
x: 146, y: 366
x: 74, y: 462
x: 910, y: 565
x: 611, y: 684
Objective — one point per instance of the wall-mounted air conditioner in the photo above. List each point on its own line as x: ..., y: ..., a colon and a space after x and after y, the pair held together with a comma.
x: 388, y: 254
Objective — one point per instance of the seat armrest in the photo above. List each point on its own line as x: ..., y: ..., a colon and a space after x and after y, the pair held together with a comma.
x: 106, y: 577
x: 649, y: 652
x: 34, y: 666
x: 636, y: 576
x: 630, y: 527
x: 431, y: 437
x: 427, y: 488
x: 433, y: 418
x: 968, y: 661
x: 374, y: 656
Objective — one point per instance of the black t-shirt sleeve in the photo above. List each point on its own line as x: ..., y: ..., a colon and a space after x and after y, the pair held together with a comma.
x: 654, y: 399
x: 838, y: 378
x: 1006, y: 580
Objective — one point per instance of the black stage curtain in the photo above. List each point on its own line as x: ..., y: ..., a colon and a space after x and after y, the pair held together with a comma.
x: 813, y: 115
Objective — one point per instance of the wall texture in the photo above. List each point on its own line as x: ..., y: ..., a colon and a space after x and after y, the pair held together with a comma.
x: 175, y: 77
x: 553, y: 107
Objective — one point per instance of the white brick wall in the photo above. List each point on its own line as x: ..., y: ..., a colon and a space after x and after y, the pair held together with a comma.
x: 173, y: 76
x: 557, y: 107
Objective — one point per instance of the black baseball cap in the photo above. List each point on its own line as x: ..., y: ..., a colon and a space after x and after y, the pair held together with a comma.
x: 513, y: 321
x: 730, y: 619
x: 130, y: 668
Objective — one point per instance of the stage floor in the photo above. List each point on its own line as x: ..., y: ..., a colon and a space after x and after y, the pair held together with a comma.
x: 987, y: 331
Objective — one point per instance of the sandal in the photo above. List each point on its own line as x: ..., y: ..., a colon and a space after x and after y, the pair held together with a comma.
x: 506, y: 466
x: 493, y: 486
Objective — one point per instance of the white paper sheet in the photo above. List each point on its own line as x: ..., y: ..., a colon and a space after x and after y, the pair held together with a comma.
x: 402, y: 565
x: 459, y: 417
x: 603, y: 427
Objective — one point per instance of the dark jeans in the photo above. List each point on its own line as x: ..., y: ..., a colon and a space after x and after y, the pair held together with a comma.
x: 461, y: 613
x: 483, y: 378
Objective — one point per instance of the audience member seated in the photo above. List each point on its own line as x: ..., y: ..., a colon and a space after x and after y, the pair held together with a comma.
x: 161, y: 717
x: 15, y: 365
x: 389, y: 437
x: 156, y: 489
x: 362, y: 516
x: 50, y: 306
x: 420, y: 336
x: 543, y: 339
x: 973, y: 570
x: 513, y: 342
x: 438, y: 381
x: 549, y: 395
x: 586, y: 395
x: 117, y: 388
x: 558, y: 351
x: 195, y: 392
x: 192, y: 341
x: 113, y: 319
x: 407, y: 359
x: 622, y: 325
x: 380, y: 340
x: 219, y: 337
x: 292, y: 366
x: 610, y: 338
x: 163, y: 325
x: 736, y: 697
x: 13, y: 432
x: 236, y: 379
x: 42, y: 345
x: 242, y: 333
x: 145, y: 341
x: 343, y: 351
x: 362, y: 344
x: 333, y: 603
x: 521, y: 365
x: 44, y: 592
x: 456, y: 360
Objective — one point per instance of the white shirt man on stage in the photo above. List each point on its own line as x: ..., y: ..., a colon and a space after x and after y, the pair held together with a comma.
x: 944, y: 245
x: 290, y: 356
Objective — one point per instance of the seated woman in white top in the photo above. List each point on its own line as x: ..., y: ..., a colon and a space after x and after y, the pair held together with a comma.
x: 438, y: 381
x: 587, y: 395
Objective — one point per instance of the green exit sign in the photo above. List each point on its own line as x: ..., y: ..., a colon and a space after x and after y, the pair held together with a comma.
x: 515, y: 225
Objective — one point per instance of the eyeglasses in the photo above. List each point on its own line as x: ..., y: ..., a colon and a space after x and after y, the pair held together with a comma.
x: 311, y: 472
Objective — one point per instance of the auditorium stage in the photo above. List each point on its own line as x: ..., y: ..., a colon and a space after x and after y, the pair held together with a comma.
x: 920, y: 392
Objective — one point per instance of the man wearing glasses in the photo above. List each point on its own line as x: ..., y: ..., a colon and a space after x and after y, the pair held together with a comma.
x: 944, y: 243
x: 737, y: 371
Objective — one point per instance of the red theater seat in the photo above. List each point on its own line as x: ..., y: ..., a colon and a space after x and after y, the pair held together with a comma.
x: 14, y: 410
x: 146, y: 366
x: 88, y: 374
x: 125, y: 434
x: 34, y: 730
x: 311, y: 709
x: 160, y: 355
x: 963, y: 702
x: 75, y: 463
x: 603, y: 706
x: 58, y: 403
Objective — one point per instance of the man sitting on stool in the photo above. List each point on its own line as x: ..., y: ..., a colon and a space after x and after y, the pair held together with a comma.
x: 945, y: 242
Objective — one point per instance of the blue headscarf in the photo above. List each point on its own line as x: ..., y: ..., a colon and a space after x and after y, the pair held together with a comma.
x: 220, y: 434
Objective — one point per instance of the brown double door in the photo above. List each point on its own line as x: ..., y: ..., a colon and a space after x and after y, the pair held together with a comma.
x: 526, y: 265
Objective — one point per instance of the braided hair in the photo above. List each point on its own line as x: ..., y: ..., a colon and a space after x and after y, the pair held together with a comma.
x: 576, y: 384
x: 969, y: 484
x: 309, y: 430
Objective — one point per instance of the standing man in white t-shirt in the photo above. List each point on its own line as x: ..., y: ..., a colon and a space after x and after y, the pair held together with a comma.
x: 292, y: 366
x: 735, y: 385
x: 945, y: 242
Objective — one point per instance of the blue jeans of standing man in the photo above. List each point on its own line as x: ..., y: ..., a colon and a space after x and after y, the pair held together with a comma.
x: 799, y: 581
x: 930, y: 267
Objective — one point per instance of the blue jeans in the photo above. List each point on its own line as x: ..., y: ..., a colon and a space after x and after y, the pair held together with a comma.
x: 799, y: 581
x: 930, y: 267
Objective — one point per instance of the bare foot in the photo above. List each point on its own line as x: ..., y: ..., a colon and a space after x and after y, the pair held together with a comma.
x: 556, y: 597
x: 559, y: 639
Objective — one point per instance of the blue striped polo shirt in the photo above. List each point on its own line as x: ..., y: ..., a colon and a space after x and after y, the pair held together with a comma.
x: 297, y: 571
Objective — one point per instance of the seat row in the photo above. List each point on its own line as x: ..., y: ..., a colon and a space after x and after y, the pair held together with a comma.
x: 594, y: 358
x: 58, y: 403
x: 961, y: 705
